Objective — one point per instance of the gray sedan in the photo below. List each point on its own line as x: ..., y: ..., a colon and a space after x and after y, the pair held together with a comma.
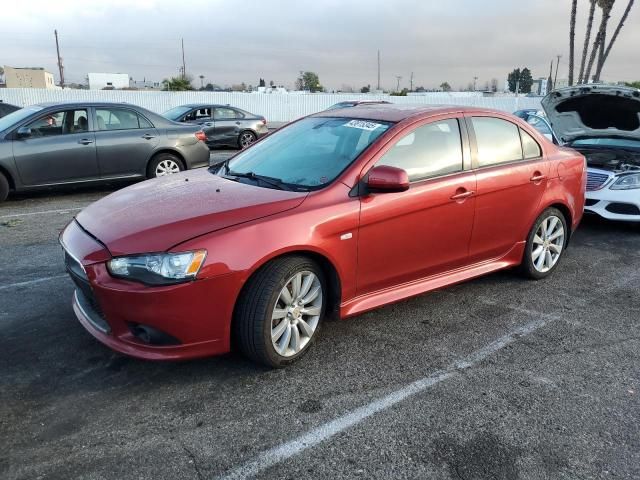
x: 222, y: 124
x: 60, y: 144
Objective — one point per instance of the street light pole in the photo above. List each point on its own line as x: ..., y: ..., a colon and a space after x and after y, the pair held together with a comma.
x: 555, y: 80
x: 398, y: 78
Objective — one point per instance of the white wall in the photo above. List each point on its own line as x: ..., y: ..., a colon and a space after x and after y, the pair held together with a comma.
x: 277, y: 108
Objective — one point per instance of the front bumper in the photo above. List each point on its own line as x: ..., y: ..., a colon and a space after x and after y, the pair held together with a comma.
x: 621, y: 205
x: 195, y: 316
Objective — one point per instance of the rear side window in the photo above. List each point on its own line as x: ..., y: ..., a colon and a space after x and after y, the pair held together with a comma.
x: 225, y: 114
x: 119, y: 119
x: 530, y: 147
x: 429, y: 151
x: 498, y: 141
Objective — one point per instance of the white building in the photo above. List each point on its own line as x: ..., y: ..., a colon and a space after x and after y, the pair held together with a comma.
x: 111, y: 81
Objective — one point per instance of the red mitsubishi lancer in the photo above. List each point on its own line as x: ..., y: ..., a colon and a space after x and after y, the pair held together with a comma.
x: 336, y: 214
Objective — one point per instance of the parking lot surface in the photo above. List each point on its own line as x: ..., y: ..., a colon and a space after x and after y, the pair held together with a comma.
x: 498, y: 378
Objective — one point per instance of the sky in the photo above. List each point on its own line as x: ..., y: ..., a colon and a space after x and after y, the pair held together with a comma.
x: 232, y: 42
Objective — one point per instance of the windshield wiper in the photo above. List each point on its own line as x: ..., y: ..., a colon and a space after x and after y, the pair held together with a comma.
x: 274, y: 182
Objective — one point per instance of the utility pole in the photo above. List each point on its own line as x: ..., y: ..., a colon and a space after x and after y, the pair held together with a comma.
x: 550, y: 80
x: 60, y: 66
x: 398, y: 78
x: 475, y: 79
x: 184, y: 68
x: 378, y: 88
x: 555, y: 80
x: 411, y: 83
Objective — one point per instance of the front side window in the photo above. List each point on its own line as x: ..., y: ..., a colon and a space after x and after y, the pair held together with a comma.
x: 118, y: 119
x: 429, y: 151
x: 309, y: 153
x: 498, y: 141
x: 60, y: 123
x: 198, y: 114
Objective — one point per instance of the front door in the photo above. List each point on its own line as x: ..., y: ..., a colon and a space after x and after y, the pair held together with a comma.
x: 60, y: 148
x: 512, y: 176
x: 426, y: 230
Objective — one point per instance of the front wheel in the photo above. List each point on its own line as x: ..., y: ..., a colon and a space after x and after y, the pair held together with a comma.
x: 545, y: 244
x: 279, y: 313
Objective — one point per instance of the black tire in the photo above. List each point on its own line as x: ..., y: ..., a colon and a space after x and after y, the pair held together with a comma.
x: 527, y: 267
x: 250, y: 138
x: 4, y: 188
x: 167, y: 158
x: 252, y: 319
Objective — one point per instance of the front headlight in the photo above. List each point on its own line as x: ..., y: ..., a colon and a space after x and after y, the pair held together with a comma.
x: 626, y: 182
x: 158, y: 268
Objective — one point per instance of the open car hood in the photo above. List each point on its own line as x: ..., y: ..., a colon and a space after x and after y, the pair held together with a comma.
x: 155, y: 215
x: 593, y: 111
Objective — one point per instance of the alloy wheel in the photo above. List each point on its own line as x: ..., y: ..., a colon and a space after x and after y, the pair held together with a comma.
x: 296, y: 313
x: 167, y: 167
x: 547, y: 244
x: 246, y: 139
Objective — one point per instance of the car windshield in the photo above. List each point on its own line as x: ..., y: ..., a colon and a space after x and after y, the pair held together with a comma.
x: 17, y: 116
x: 607, y: 142
x: 310, y: 153
x: 176, y: 112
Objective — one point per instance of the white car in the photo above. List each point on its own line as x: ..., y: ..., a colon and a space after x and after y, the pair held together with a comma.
x: 603, y: 123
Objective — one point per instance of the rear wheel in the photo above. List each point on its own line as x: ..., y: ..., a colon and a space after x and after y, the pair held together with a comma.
x: 164, y: 164
x: 4, y: 188
x: 545, y: 244
x: 279, y: 313
x: 246, y: 138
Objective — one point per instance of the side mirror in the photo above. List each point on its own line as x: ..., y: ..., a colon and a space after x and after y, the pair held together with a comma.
x: 386, y: 179
x: 23, y: 132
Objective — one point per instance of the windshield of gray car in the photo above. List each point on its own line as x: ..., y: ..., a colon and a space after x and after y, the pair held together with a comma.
x: 607, y: 143
x: 176, y: 112
x: 310, y: 153
x: 17, y: 116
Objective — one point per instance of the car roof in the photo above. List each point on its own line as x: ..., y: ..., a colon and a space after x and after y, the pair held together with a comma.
x: 86, y: 104
x: 394, y: 112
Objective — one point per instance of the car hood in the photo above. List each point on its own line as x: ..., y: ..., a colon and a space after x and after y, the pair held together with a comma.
x: 593, y: 111
x: 156, y: 215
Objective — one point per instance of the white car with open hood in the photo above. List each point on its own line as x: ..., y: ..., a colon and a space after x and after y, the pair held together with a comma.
x: 603, y: 123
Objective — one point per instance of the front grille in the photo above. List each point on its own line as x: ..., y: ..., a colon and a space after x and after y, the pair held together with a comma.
x: 623, y: 208
x: 86, y: 297
x: 595, y: 181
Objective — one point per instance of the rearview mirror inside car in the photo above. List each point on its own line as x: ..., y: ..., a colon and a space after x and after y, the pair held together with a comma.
x: 386, y: 179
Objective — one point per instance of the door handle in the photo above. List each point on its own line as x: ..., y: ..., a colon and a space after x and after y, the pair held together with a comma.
x: 462, y: 195
x: 85, y: 141
x: 148, y: 136
x: 537, y: 177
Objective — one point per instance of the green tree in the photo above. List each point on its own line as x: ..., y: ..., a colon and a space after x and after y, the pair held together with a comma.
x: 309, y: 81
x: 635, y: 84
x: 365, y: 89
x: 262, y: 83
x: 401, y: 93
x: 177, y: 84
x: 445, y: 87
x: 520, y: 80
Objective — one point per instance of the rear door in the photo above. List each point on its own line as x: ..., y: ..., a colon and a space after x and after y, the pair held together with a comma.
x: 125, y: 140
x: 61, y: 148
x: 228, y: 122
x: 424, y: 231
x: 511, y: 174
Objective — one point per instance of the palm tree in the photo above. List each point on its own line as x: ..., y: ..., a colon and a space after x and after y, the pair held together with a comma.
x: 572, y: 39
x: 605, y: 6
x: 587, y: 39
x: 605, y: 55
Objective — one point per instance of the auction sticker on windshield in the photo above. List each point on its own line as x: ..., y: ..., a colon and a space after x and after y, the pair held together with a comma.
x: 362, y: 125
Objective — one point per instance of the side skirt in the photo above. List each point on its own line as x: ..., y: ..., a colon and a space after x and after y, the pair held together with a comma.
x: 369, y: 301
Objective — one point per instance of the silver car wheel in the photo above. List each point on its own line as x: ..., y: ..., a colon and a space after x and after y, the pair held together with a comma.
x: 296, y: 313
x: 547, y: 244
x: 167, y: 167
x: 246, y: 139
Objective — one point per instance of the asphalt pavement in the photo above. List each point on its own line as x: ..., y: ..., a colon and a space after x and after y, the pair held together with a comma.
x: 497, y: 378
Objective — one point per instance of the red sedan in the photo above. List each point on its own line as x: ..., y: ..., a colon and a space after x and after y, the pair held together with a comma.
x: 336, y: 214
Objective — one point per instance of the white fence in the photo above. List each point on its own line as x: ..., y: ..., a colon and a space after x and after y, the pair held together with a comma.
x: 275, y: 107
